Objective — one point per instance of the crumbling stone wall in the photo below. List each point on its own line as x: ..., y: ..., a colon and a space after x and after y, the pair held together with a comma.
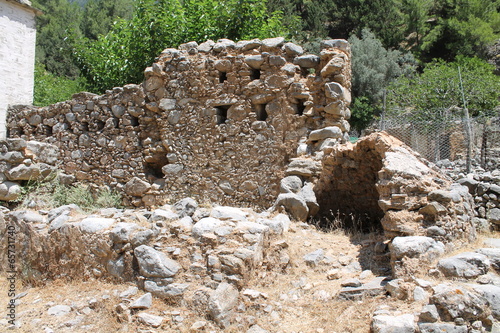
x: 216, y: 121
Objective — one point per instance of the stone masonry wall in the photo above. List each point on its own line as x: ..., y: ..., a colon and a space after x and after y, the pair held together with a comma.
x: 217, y: 121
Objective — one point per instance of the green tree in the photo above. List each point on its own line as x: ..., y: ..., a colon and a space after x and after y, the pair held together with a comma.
x: 99, y: 16
x: 436, y: 92
x: 373, y: 68
x: 50, y: 89
x: 52, y: 46
x: 463, y: 27
x: 415, y: 14
x: 120, y: 56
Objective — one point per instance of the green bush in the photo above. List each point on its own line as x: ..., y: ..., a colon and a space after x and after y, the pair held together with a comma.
x: 50, y: 89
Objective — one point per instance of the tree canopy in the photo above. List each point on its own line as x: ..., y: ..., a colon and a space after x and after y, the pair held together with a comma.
x: 437, y: 90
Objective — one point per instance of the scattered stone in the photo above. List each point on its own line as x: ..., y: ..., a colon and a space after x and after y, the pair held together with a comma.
x: 222, y: 303
x: 351, y: 283
x: 149, y: 319
x: 429, y: 314
x: 153, y: 263
x: 372, y: 288
x: 185, y: 207
x: 95, y: 224
x: 59, y: 310
x: 387, y: 324
x: 465, y: 265
x: 205, y: 225
x: 313, y: 259
x: 441, y: 327
x: 294, y: 204
x: 143, y: 302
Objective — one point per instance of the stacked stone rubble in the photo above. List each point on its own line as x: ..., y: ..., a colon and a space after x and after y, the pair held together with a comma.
x: 23, y: 161
x: 217, y: 121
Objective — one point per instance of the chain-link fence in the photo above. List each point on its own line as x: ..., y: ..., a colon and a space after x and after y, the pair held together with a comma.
x: 446, y: 137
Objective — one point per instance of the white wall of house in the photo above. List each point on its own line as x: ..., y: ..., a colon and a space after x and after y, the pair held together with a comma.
x: 17, y: 56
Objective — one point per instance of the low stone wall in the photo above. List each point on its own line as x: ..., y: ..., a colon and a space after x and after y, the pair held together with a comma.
x: 216, y: 121
x: 22, y: 161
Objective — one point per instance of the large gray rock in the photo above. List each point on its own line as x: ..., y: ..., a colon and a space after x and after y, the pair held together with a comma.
x: 205, y: 47
x: 441, y: 328
x: 492, y: 294
x: 273, y: 42
x: 290, y: 184
x: 122, y: 231
x: 95, y: 224
x: 328, y: 132
x: 205, y: 225
x: 393, y: 324
x: 374, y: 287
x: 59, y: 310
x: 292, y: 49
x: 454, y: 301
x: 278, y: 225
x: 162, y: 215
x: 403, y: 162
x: 335, y: 90
x: 313, y: 259
x: 307, y: 193
x: 143, y: 302
x: 59, y: 221
x: 136, y: 187
x: 166, y: 291
x: 307, y: 61
x: 416, y: 246
x: 24, y: 172
x: 153, y: 263
x: 228, y: 213
x: 172, y: 169
x: 246, y: 45
x: 303, y: 167
x: 443, y: 196
x: 10, y: 191
x: 185, y: 207
x: 464, y: 265
x: 493, y: 254
x: 149, y: 319
x: 42, y: 152
x: 254, y: 61
x: 429, y: 314
x: 493, y: 216
x: 336, y: 43
x: 222, y: 302
x: 294, y: 205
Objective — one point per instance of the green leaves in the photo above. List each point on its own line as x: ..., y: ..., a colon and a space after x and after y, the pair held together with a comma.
x: 120, y: 56
x: 50, y: 89
x: 436, y: 92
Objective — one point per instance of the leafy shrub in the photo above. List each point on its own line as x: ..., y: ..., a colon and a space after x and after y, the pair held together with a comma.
x: 50, y: 89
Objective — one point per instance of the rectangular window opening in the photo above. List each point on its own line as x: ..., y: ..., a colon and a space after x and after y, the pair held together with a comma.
x: 222, y: 77
x: 260, y: 112
x: 255, y: 75
x: 222, y: 113
x: 300, y: 107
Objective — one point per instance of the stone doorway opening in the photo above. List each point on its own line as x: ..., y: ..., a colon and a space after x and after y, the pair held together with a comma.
x: 347, y: 192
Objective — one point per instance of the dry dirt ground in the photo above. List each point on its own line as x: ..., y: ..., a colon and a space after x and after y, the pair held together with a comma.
x: 299, y: 299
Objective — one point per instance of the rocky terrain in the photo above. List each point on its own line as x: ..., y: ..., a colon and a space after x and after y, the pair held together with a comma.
x: 187, y: 268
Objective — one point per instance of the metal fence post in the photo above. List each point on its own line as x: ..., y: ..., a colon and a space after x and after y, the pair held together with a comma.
x: 468, y: 129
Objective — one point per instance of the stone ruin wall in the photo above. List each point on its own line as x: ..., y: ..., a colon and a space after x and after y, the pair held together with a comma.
x: 217, y: 121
